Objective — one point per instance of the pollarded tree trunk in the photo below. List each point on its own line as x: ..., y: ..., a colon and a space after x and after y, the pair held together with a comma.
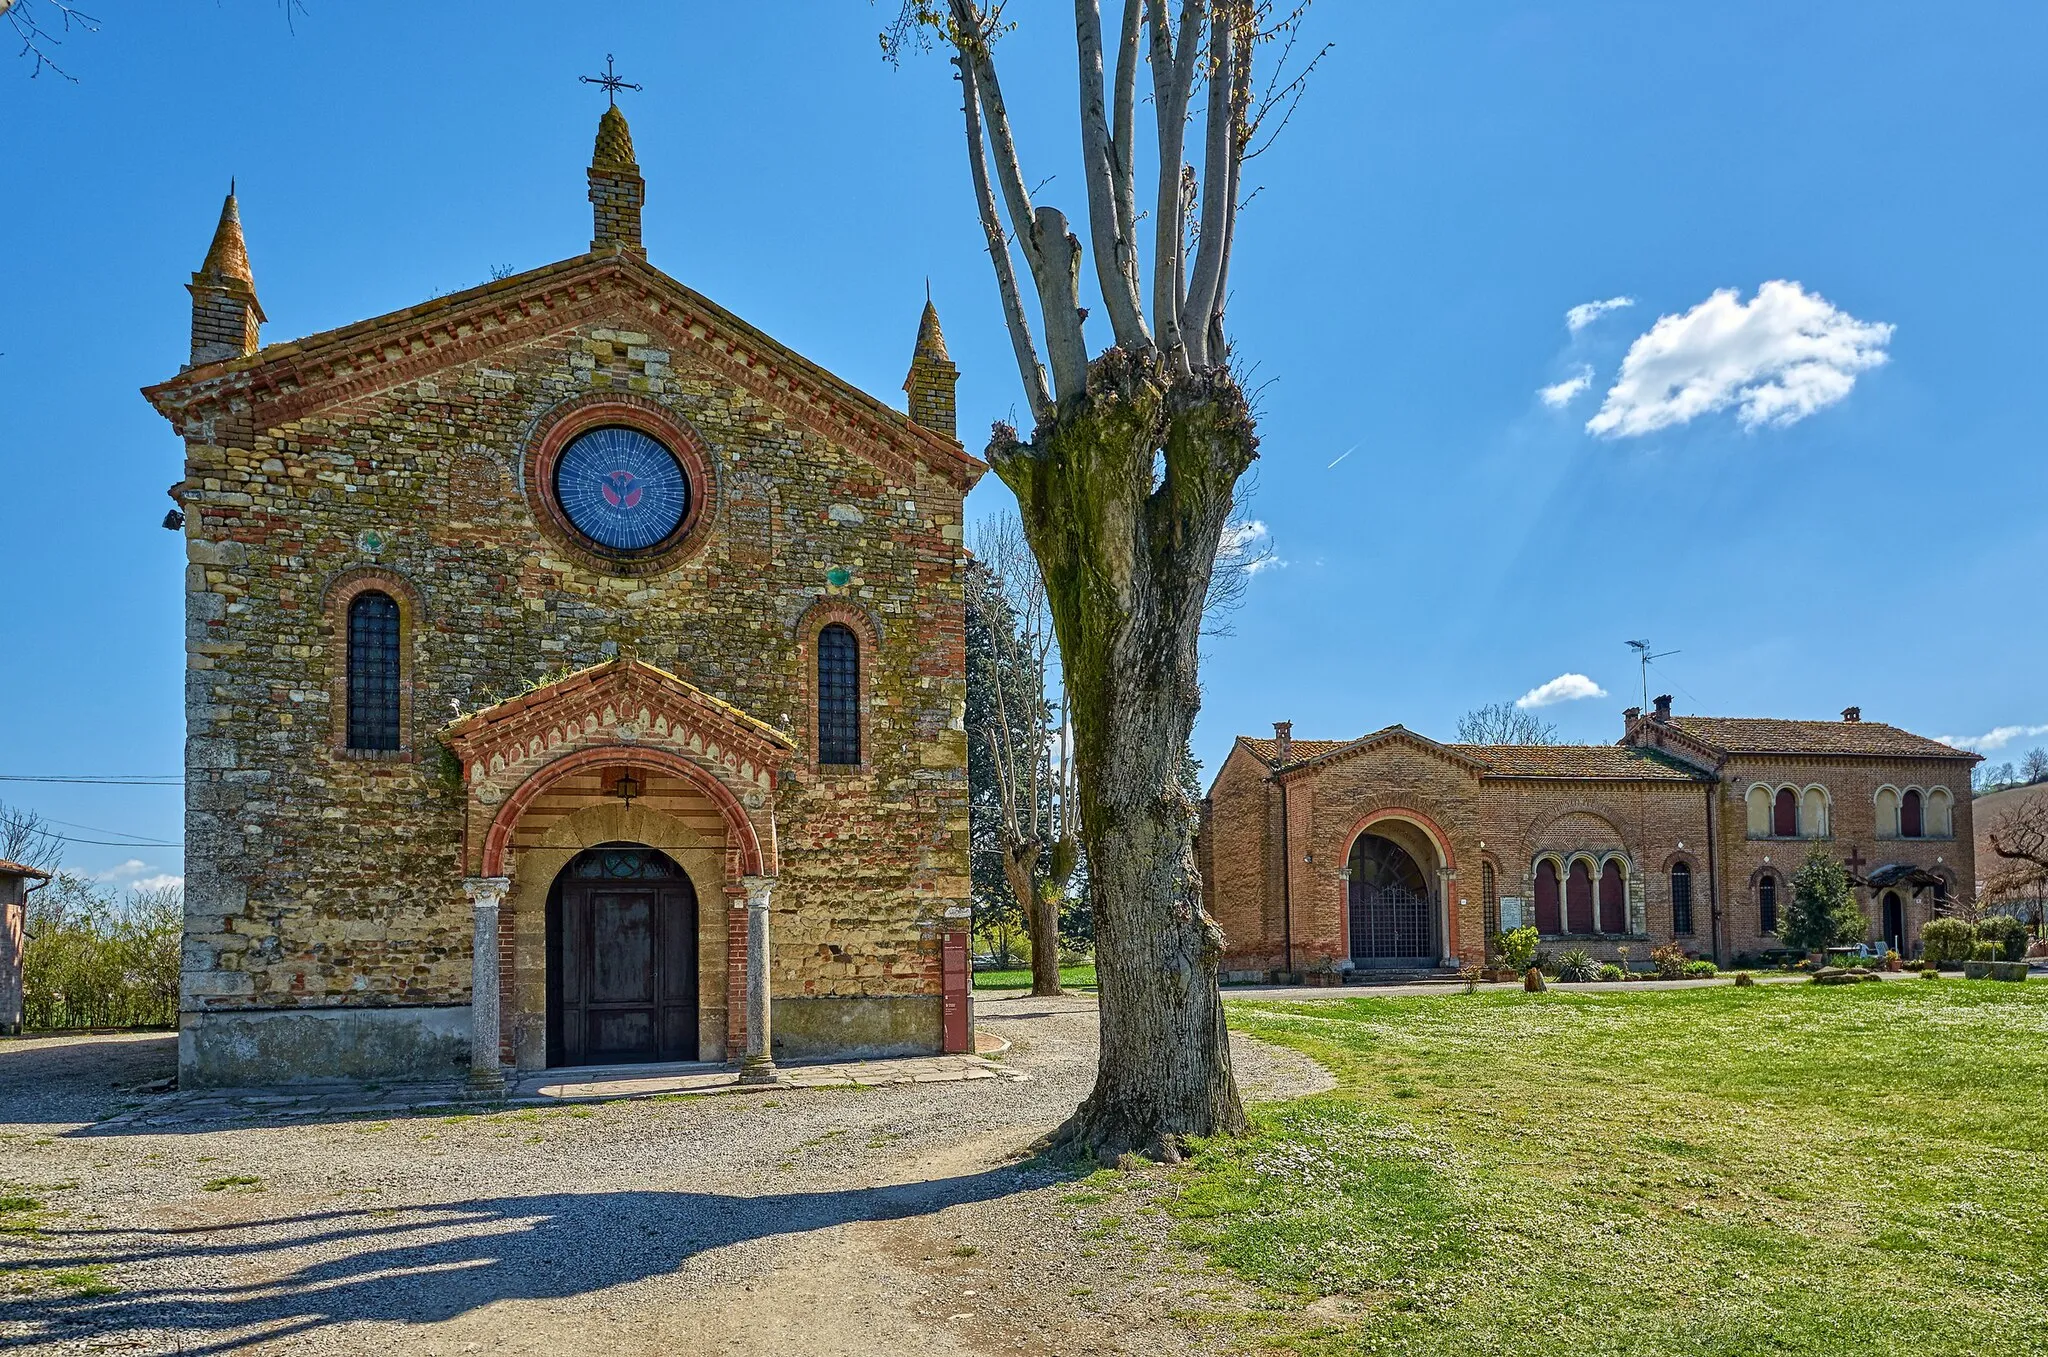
x: 1041, y: 916
x: 1126, y: 560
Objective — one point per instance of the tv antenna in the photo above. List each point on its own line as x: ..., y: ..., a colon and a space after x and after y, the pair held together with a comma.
x: 1642, y: 650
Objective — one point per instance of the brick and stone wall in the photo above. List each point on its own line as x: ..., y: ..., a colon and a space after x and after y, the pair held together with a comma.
x: 318, y: 876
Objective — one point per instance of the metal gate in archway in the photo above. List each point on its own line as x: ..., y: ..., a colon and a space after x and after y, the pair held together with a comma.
x: 1392, y: 915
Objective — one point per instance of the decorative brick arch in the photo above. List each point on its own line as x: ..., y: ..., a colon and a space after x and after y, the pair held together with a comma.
x: 1437, y: 837
x: 341, y: 591
x: 743, y: 852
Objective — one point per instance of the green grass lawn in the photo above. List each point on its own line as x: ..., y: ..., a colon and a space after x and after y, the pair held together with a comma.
x: 1767, y: 1170
x: 1071, y: 977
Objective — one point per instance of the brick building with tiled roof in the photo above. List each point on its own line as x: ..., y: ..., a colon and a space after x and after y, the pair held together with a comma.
x: 1395, y: 853
x: 574, y: 675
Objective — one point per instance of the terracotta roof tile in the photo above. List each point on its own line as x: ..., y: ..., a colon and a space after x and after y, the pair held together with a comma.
x: 8, y: 868
x: 1268, y: 750
x: 1769, y: 735
x: 1598, y: 761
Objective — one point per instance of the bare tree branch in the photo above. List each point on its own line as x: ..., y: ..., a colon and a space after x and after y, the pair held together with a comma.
x: 1218, y: 159
x: 1115, y: 260
x: 25, y: 18
x: 1019, y: 324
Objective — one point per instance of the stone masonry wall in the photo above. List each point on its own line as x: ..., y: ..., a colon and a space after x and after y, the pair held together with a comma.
x: 321, y: 877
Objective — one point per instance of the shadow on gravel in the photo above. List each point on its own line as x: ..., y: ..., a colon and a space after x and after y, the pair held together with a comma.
x: 427, y: 1264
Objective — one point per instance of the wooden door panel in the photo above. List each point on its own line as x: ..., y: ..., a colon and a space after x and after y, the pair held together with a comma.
x: 622, y: 965
x: 622, y: 947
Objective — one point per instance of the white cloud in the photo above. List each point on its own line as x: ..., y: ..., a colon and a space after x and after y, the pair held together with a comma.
x: 1566, y: 391
x: 1249, y: 547
x: 1563, y: 688
x: 125, y: 871
x: 1585, y: 313
x: 1777, y: 358
x: 157, y: 882
x: 1993, y: 740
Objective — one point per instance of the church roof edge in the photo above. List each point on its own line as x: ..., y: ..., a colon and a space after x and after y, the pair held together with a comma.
x: 296, y: 367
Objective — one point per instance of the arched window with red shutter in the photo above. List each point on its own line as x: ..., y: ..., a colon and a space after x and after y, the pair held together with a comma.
x: 1613, y: 899
x: 1909, y: 816
x: 1578, y: 898
x: 1547, y: 914
x: 1785, y: 814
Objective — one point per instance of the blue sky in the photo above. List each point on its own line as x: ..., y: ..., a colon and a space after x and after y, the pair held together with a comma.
x: 1460, y: 177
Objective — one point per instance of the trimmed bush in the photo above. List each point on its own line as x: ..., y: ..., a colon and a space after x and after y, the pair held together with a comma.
x: 1517, y: 949
x: 2006, y: 933
x: 1947, y: 942
x: 1610, y: 971
x: 1986, y: 951
x: 1701, y: 970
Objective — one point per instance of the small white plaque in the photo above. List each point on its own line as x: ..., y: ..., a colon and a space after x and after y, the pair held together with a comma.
x: 1510, y: 913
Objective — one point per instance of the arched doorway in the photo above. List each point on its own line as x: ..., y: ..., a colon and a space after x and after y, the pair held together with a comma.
x: 1391, y: 913
x: 622, y: 959
x: 1894, y: 922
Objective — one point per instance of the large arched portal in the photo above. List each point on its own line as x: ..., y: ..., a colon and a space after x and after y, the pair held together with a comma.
x: 1392, y: 915
x: 621, y: 959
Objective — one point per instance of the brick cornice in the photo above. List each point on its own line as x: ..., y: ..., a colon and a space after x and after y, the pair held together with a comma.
x: 290, y: 381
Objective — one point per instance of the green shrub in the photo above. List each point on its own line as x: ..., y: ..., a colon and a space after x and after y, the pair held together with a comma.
x: 1986, y: 951
x: 1930, y: 974
x: 1517, y: 949
x: 1701, y: 970
x: 94, y: 959
x: 1822, y: 911
x: 2008, y: 934
x: 1670, y: 961
x: 1578, y: 965
x: 1610, y: 971
x: 1946, y: 942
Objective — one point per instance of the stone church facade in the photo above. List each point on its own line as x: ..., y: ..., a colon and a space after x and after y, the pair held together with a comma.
x: 574, y: 675
x: 1395, y: 854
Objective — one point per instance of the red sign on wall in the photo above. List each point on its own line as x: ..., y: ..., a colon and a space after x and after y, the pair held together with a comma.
x: 955, y: 979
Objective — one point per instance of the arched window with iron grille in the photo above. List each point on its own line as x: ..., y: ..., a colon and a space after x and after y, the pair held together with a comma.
x: 373, y: 671
x: 1767, y: 903
x: 838, y: 695
x: 1681, y: 899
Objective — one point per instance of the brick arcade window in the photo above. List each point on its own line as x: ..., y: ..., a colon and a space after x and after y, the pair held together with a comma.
x: 1909, y: 816
x: 1785, y: 815
x: 838, y: 695
x: 373, y: 671
x: 1681, y: 899
x: 1767, y: 903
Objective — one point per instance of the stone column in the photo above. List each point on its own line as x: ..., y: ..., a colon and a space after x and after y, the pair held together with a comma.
x: 759, y: 1065
x: 485, y: 894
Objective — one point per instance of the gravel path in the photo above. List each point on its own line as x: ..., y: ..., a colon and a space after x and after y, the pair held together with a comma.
x: 822, y: 1221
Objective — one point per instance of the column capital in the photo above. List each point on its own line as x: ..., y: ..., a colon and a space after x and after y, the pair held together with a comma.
x: 486, y: 892
x: 758, y: 889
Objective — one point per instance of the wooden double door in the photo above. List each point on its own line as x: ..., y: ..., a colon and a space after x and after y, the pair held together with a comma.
x: 622, y: 959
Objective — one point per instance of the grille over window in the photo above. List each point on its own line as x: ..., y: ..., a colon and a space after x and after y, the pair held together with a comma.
x: 1681, y: 899
x: 373, y: 668
x: 838, y: 695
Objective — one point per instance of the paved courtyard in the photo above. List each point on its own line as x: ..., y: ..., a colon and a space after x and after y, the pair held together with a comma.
x: 852, y: 1216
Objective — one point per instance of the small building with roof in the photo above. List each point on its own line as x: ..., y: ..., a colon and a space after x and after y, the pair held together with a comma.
x: 574, y: 675
x: 1396, y: 854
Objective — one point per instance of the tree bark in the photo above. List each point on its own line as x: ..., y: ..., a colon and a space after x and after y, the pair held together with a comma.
x: 1126, y: 567
x: 1041, y: 917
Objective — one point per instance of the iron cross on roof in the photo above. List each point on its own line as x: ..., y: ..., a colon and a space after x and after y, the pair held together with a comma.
x: 610, y: 81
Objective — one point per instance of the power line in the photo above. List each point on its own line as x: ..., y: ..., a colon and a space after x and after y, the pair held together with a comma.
x: 116, y: 780
x: 143, y: 839
x: 116, y: 843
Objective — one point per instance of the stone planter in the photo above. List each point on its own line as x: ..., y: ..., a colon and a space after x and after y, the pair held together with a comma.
x: 1994, y: 970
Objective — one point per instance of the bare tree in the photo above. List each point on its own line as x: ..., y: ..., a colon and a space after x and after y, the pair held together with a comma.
x: 42, y: 25
x: 1125, y: 485
x: 1026, y: 743
x: 2020, y: 834
x: 28, y: 839
x: 1504, y: 723
x: 2034, y: 767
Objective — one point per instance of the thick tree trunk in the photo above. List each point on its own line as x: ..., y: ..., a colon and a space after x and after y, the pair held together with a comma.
x: 1126, y: 563
x: 1041, y: 917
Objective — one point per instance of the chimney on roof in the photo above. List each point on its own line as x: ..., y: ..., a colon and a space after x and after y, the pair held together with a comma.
x: 1283, y: 741
x: 225, y: 312
x: 1663, y: 707
x: 1629, y: 715
x: 1852, y: 713
x: 617, y: 192
x: 932, y: 376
